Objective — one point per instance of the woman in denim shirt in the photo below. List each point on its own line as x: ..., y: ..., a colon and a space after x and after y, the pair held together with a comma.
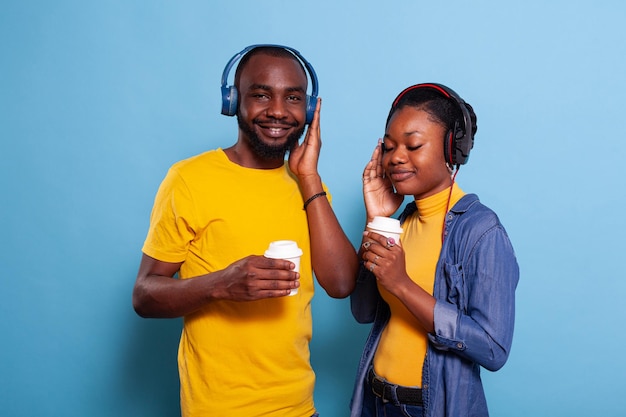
x: 442, y: 300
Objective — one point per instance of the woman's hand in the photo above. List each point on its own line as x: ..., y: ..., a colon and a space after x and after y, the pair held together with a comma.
x: 378, y: 193
x: 385, y: 258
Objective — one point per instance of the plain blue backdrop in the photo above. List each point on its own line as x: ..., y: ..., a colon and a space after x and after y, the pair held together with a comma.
x: 97, y: 99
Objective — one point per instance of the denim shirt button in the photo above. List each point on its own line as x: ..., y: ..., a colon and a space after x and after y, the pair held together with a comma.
x: 459, y: 345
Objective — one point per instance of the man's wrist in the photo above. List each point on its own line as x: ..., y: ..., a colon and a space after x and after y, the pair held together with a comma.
x: 309, y: 185
x: 313, y: 197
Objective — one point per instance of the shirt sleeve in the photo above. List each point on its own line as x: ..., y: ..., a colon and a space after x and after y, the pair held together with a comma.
x: 476, y: 319
x: 365, y: 297
x: 171, y: 222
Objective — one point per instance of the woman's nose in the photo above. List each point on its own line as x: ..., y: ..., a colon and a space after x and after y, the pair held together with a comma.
x: 397, y: 156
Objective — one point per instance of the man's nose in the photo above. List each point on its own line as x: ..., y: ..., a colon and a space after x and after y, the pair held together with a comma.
x: 276, y: 108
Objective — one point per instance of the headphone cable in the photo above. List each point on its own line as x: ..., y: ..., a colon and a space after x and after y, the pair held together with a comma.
x: 443, y: 229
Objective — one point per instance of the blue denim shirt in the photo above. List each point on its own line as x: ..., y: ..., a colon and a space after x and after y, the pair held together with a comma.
x: 475, y: 282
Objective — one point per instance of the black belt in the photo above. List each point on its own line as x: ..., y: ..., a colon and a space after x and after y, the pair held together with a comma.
x: 384, y: 390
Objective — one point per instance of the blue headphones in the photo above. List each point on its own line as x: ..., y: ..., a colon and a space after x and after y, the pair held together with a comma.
x: 230, y: 95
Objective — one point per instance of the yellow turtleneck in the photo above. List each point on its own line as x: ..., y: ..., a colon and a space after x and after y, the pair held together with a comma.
x: 400, y: 355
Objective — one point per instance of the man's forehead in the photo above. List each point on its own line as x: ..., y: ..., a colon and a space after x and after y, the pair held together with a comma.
x: 281, y: 69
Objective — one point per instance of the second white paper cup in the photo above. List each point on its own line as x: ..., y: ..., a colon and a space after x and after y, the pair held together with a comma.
x: 386, y: 226
x: 285, y: 249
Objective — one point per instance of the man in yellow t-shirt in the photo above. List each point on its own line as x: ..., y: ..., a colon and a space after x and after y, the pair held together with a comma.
x: 244, y: 349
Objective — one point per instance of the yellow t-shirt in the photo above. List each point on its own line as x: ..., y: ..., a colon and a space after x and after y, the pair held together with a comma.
x: 237, y: 358
x: 400, y: 354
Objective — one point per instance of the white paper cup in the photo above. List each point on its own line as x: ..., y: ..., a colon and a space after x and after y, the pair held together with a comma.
x: 386, y: 226
x: 285, y: 249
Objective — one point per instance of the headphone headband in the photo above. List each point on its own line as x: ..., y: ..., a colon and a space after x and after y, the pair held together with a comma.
x: 461, y: 139
x: 230, y: 95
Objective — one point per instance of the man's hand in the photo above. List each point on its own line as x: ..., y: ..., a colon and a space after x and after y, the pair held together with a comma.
x: 158, y: 294
x: 255, y: 277
x: 304, y: 156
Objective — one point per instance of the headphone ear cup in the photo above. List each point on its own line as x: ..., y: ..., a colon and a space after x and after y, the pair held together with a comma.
x: 461, y: 147
x: 449, y: 148
x: 453, y: 147
x: 229, y: 100
x: 311, y: 103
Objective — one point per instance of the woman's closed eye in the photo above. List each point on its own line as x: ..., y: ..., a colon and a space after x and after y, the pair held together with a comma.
x: 386, y: 147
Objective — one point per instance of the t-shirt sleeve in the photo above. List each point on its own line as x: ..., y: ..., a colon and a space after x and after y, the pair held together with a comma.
x: 171, y: 222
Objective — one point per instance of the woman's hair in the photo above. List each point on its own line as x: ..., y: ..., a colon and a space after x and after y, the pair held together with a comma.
x: 443, y: 110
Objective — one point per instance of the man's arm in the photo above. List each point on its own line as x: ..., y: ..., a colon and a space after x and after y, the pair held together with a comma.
x: 158, y: 294
x: 334, y: 259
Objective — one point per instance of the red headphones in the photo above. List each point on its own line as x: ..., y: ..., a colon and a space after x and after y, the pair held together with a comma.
x: 459, y: 140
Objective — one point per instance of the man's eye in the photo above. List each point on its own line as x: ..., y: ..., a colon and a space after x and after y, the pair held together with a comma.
x: 413, y: 148
x: 294, y: 98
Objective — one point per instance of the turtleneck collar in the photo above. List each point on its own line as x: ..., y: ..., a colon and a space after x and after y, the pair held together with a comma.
x: 437, y: 204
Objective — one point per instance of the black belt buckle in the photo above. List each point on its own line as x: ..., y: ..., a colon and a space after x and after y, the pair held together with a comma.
x: 404, y: 395
x: 381, y: 382
x: 378, y: 386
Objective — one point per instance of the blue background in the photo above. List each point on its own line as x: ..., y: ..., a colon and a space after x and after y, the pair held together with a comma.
x: 97, y: 99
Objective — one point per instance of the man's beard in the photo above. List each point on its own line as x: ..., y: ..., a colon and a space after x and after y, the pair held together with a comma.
x: 263, y: 149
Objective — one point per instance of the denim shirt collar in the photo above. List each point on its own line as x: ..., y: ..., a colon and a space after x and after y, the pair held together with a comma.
x: 459, y: 208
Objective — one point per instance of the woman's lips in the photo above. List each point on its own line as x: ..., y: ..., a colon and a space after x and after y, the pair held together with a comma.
x: 400, y: 175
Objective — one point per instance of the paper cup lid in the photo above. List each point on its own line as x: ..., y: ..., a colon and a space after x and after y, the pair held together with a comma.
x: 282, y: 249
x: 387, y: 224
